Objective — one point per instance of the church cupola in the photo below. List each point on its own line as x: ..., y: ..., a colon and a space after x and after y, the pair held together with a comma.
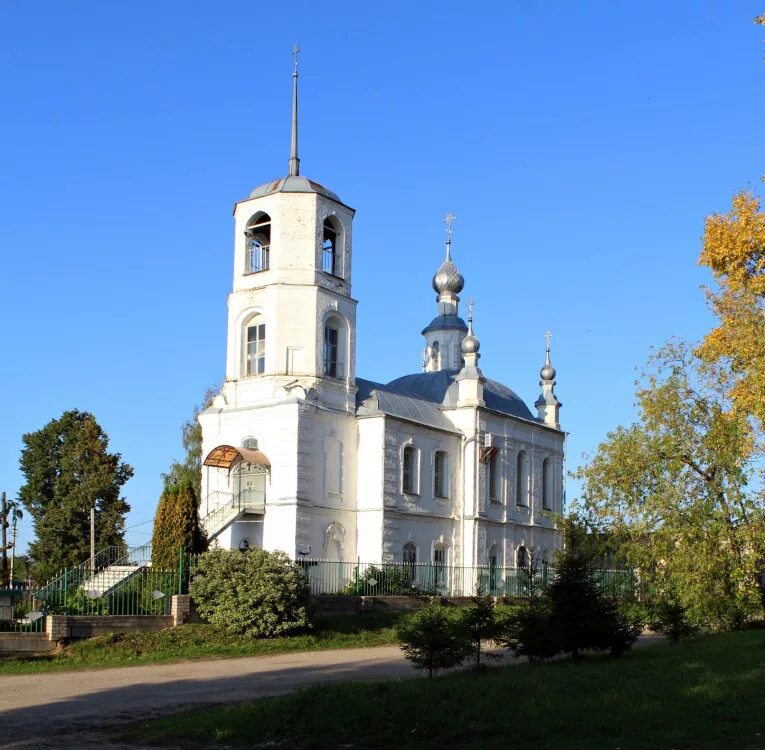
x: 548, y: 406
x: 470, y: 379
x: 445, y: 333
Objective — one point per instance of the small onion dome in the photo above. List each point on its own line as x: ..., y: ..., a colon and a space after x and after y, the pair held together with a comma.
x: 448, y: 279
x: 547, y: 372
x: 470, y: 345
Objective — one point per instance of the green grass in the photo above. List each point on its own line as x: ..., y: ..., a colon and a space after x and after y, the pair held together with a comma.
x: 205, y: 642
x: 703, y: 694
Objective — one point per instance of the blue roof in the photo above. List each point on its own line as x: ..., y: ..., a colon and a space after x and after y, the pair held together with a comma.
x: 450, y: 322
x: 440, y: 387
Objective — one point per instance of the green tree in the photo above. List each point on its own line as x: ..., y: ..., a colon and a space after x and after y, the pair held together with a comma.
x: 673, y: 488
x: 480, y: 623
x: 256, y: 593
x: 176, y: 525
x: 433, y: 639
x: 573, y: 614
x: 190, y: 468
x: 69, y: 470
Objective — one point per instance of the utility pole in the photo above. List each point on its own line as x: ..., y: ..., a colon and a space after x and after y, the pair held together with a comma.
x: 92, y: 539
x: 13, y: 545
x: 4, y: 524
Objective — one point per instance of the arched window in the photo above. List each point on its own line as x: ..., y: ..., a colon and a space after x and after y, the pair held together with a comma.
x: 495, y: 478
x: 493, y: 564
x: 547, y: 484
x: 330, y: 257
x: 258, y: 237
x: 334, y: 348
x: 441, y: 474
x: 255, y: 346
x: 410, y: 555
x: 410, y: 470
x: 522, y: 559
x: 436, y: 352
x: 522, y: 479
x: 439, y: 565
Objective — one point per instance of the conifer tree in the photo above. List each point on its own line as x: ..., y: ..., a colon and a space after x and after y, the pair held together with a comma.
x: 176, y: 525
x: 68, y: 471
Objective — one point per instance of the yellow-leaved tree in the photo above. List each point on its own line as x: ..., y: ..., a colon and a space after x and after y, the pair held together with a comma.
x: 734, y: 250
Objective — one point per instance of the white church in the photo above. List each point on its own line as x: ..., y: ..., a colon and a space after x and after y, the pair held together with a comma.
x: 444, y: 465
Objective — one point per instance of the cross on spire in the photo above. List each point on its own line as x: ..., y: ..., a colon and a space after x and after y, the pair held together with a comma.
x: 548, y: 336
x: 470, y: 304
x: 295, y: 52
x: 448, y: 220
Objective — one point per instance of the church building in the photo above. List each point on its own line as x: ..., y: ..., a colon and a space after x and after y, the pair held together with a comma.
x: 444, y: 465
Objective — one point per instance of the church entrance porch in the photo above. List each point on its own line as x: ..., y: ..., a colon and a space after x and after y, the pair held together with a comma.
x: 236, y: 480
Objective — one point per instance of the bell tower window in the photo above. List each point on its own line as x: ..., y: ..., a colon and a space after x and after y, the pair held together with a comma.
x: 330, y: 262
x: 256, y: 346
x: 258, y: 237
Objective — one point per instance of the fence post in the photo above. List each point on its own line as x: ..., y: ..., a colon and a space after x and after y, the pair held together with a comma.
x: 66, y: 579
x: 180, y: 569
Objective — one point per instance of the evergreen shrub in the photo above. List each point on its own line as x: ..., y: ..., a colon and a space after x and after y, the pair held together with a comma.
x: 257, y: 593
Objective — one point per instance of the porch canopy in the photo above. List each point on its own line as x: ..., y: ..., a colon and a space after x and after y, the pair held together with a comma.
x: 224, y: 456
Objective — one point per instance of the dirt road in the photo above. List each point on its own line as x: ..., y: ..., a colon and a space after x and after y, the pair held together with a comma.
x: 67, y: 709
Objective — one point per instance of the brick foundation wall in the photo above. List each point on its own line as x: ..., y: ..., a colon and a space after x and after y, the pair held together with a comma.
x: 60, y: 627
x: 25, y: 643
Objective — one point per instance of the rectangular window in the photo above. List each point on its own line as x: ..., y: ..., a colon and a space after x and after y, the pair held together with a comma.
x: 495, y: 479
x: 440, y: 475
x: 256, y: 349
x: 410, y: 470
x: 330, y: 352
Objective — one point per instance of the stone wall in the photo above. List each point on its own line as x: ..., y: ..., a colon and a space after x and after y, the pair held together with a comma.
x: 61, y: 627
x: 21, y: 643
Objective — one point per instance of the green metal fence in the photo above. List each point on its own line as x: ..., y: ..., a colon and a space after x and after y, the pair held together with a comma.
x: 403, y: 579
x: 143, y: 591
x: 24, y: 618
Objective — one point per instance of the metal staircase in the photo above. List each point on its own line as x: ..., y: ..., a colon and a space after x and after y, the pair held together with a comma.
x: 230, y: 508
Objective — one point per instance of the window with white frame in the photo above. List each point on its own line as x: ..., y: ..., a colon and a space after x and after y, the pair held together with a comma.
x: 255, y: 346
x: 522, y: 479
x: 258, y: 243
x: 410, y: 470
x: 441, y: 474
x: 547, y: 484
x: 333, y: 466
x: 495, y: 477
x: 522, y: 558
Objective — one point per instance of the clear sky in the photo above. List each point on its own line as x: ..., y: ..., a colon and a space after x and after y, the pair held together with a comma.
x: 580, y: 145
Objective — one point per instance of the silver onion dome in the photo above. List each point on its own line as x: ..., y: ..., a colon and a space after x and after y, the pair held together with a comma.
x: 470, y: 345
x: 547, y: 372
x: 448, y: 279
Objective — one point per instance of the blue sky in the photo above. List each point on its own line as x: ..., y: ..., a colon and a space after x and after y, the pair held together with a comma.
x: 580, y: 145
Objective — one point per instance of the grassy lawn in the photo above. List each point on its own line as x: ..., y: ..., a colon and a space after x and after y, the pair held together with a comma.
x: 705, y: 693
x: 205, y: 642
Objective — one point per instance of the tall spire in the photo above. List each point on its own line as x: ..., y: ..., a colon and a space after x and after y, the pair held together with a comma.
x: 294, y: 169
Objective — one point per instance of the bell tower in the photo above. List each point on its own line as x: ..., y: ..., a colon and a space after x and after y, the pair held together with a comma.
x: 291, y: 317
